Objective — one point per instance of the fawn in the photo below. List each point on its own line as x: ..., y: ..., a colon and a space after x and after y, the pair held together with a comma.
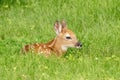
x: 64, y: 39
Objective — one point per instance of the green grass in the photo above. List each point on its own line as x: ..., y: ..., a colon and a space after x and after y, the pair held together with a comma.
x: 95, y: 22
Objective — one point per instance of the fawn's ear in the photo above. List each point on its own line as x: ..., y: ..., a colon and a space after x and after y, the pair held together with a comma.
x: 63, y: 23
x: 57, y: 27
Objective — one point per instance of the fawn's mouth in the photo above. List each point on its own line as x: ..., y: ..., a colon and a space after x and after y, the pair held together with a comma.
x: 77, y: 47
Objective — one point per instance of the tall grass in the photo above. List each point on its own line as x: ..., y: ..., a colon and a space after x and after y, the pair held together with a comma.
x: 95, y: 22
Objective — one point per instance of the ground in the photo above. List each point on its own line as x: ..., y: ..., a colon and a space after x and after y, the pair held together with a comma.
x: 95, y: 22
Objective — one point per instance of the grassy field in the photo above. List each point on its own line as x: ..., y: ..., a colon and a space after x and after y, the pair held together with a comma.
x: 95, y: 22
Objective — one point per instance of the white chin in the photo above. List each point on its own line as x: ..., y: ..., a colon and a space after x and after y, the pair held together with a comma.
x: 77, y: 46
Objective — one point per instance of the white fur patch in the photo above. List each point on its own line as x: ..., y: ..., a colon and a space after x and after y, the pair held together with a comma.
x: 64, y: 48
x: 60, y: 28
x: 67, y: 35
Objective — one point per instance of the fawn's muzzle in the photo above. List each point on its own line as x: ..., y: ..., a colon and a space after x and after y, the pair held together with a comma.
x: 78, y: 45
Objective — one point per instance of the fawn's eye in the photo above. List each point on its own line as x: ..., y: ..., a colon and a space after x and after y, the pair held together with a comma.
x: 68, y: 38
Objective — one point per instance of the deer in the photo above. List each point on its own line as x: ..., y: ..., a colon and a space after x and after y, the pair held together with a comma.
x: 65, y: 38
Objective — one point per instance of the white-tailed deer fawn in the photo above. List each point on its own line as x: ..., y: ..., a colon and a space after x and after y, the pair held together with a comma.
x: 64, y: 39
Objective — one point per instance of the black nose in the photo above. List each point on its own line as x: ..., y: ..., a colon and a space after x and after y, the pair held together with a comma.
x: 78, y: 44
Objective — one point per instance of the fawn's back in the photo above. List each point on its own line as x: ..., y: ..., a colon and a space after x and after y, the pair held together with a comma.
x: 64, y: 39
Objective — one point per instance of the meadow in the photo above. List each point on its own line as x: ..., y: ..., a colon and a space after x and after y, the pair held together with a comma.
x: 95, y: 22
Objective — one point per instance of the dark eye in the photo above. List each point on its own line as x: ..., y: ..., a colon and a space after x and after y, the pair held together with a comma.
x: 68, y: 38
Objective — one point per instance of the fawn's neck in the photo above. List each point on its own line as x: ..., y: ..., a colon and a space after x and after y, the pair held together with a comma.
x: 57, y: 46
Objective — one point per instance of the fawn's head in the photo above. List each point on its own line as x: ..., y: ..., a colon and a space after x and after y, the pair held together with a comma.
x: 65, y: 36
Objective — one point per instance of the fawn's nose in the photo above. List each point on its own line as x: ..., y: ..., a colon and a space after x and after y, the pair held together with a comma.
x: 78, y: 45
